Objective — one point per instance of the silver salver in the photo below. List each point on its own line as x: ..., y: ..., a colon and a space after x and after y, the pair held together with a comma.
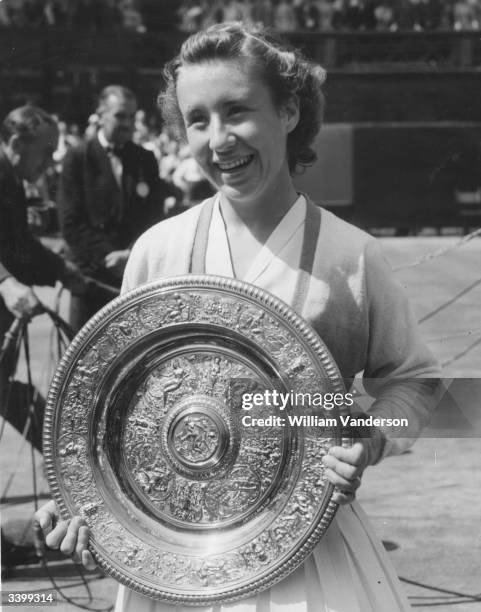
x: 145, y: 438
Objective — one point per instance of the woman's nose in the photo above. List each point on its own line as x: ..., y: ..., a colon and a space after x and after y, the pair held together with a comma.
x: 220, y: 137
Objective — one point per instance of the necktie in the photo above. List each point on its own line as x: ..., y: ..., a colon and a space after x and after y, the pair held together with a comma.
x: 114, y: 154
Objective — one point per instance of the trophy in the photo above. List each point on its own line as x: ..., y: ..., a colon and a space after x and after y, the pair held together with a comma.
x: 181, y: 426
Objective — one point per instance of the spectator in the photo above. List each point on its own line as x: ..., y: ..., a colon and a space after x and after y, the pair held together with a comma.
x: 308, y: 15
x: 28, y: 139
x: 109, y: 193
x: 384, y: 16
x: 141, y: 129
x: 131, y: 17
x: 73, y: 137
x: 465, y: 15
x: 92, y: 126
x: 213, y: 12
x: 262, y: 13
x: 4, y: 14
x: 234, y: 10
x: 284, y: 16
x: 190, y: 14
x: 169, y: 160
x: 326, y: 14
x: 64, y: 144
x: 190, y: 180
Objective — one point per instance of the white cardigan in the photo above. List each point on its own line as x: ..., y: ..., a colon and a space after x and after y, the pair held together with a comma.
x: 357, y: 308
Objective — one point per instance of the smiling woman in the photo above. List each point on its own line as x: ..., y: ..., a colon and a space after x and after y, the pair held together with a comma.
x: 250, y: 109
x: 236, y: 133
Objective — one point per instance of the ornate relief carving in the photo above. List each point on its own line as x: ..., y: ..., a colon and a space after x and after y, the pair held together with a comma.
x: 144, y: 439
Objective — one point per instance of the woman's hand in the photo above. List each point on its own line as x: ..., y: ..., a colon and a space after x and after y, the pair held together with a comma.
x: 70, y: 537
x: 344, y: 468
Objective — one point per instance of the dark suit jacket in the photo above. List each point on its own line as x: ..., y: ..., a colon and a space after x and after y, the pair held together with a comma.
x: 96, y: 216
x: 21, y: 255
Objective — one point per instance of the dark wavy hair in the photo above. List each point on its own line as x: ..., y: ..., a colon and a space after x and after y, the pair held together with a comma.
x: 284, y: 70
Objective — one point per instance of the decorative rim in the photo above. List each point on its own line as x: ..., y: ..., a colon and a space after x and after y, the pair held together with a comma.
x: 320, y: 357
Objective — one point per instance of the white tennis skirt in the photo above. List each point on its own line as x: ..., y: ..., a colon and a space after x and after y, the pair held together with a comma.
x: 349, y: 571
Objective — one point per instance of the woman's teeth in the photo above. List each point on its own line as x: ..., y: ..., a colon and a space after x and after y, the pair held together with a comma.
x: 242, y: 161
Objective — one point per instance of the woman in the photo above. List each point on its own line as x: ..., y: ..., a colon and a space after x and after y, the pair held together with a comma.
x: 250, y: 110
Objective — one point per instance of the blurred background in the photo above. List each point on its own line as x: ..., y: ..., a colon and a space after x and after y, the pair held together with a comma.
x: 399, y: 155
x: 400, y: 147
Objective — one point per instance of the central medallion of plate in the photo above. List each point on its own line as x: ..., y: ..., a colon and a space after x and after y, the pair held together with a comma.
x: 196, y: 435
x: 195, y: 438
x: 203, y: 469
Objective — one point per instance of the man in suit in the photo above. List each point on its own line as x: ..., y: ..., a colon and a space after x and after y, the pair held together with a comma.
x: 110, y: 193
x: 28, y: 138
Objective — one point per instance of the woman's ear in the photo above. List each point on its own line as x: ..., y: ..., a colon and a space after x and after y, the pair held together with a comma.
x: 292, y: 113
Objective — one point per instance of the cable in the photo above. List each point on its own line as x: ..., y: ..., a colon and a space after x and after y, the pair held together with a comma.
x: 462, y: 353
x: 473, y: 598
x: 463, y: 334
x: 450, y: 301
x: 18, y: 333
x: 40, y: 546
x: 14, y: 334
x: 32, y: 421
x: 439, y: 589
x: 113, y: 290
x: 439, y: 252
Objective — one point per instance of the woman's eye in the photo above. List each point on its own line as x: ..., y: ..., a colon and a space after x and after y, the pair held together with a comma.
x: 237, y: 110
x: 196, y: 120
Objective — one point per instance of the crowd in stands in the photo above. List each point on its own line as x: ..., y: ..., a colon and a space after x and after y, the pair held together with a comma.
x: 89, y: 14
x: 340, y: 15
x: 282, y: 15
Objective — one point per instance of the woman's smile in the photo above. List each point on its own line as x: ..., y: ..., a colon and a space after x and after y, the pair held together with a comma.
x: 233, y: 165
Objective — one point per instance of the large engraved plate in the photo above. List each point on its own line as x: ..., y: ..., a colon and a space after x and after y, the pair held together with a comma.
x: 145, y: 438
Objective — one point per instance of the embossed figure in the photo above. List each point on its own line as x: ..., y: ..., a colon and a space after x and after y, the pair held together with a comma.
x: 165, y: 383
x: 196, y: 439
x: 174, y: 308
x: 250, y: 109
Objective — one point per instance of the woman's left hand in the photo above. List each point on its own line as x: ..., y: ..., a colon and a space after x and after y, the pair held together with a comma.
x: 344, y: 468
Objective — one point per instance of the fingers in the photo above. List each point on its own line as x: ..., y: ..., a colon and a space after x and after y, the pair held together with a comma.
x: 64, y: 535
x: 82, y: 554
x: 88, y: 561
x: 343, y: 468
x: 354, y: 455
x: 46, y: 516
x: 70, y: 539
x: 55, y: 538
x: 344, y: 484
x: 343, y: 497
x: 82, y: 541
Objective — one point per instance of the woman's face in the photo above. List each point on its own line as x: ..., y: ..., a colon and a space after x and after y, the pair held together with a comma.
x: 235, y: 132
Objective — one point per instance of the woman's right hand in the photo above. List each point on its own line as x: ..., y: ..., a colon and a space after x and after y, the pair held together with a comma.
x: 70, y: 537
